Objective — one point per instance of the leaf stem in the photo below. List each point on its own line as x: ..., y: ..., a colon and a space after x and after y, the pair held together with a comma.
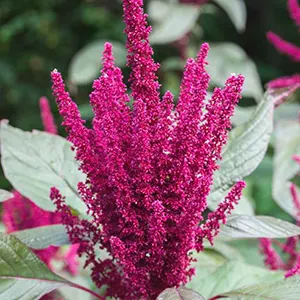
x: 77, y: 286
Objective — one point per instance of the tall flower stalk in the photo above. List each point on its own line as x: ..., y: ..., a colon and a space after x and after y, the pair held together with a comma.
x: 149, y: 170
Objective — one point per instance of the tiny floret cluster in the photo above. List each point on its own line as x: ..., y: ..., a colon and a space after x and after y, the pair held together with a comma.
x: 149, y: 169
x: 272, y: 259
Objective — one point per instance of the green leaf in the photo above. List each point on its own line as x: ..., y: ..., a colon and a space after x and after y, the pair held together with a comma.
x: 242, y: 115
x: 244, y: 151
x: 227, y: 58
x: 288, y: 111
x: 236, y: 10
x: 5, y: 195
x: 180, y: 293
x: 288, y: 289
x: 35, y: 162
x: 83, y: 280
x: 44, y: 236
x: 238, y: 226
x: 207, y: 262
x: 23, y: 275
x: 230, y: 276
x: 287, y: 144
x: 249, y: 249
x: 227, y: 251
x: 158, y: 10
x: 85, y: 65
x: 179, y: 20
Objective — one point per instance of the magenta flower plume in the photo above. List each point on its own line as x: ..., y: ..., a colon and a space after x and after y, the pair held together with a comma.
x: 47, y: 117
x: 294, y: 10
x: 149, y: 170
x: 272, y: 259
x: 21, y: 213
x: 288, y: 49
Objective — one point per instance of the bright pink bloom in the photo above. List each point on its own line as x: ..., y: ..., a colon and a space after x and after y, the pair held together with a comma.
x: 295, y: 270
x: 271, y: 258
x: 296, y: 158
x: 285, y: 82
x: 294, y: 10
x: 288, y: 49
x: 284, y: 47
x: 47, y: 117
x: 20, y: 213
x: 149, y: 170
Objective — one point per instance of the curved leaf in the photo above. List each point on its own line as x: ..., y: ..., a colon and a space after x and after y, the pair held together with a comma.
x: 44, y: 236
x: 288, y: 289
x: 23, y: 275
x: 245, y: 150
x: 232, y: 275
x: 238, y: 226
x: 85, y: 65
x: 35, y: 162
x: 227, y: 58
x: 180, y: 19
x: 287, y: 144
x: 236, y: 10
x: 181, y: 293
x: 158, y: 10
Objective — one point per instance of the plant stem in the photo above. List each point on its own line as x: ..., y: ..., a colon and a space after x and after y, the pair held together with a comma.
x: 77, y: 286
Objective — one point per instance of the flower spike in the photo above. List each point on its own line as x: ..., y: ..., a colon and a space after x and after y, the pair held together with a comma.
x: 149, y: 170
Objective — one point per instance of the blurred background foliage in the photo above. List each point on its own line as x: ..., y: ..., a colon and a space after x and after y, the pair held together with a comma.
x: 37, y: 36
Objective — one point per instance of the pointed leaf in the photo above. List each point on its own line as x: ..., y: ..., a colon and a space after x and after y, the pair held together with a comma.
x: 35, y: 162
x: 179, y: 21
x: 181, y: 293
x: 85, y: 65
x: 236, y: 10
x: 227, y: 58
x: 245, y: 149
x: 238, y: 226
x: 24, y: 276
x: 44, y: 236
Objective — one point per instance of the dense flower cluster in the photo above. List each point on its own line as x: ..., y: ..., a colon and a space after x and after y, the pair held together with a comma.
x: 20, y: 213
x: 288, y: 49
x: 149, y: 170
x: 271, y: 258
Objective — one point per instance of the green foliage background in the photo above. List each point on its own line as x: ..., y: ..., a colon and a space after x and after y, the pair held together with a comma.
x: 37, y: 36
